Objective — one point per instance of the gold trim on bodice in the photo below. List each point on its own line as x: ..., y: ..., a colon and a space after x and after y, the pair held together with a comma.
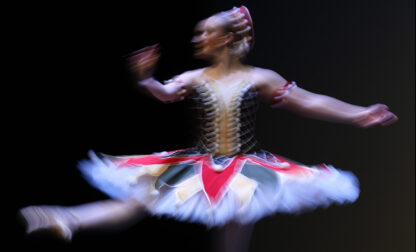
x: 222, y: 111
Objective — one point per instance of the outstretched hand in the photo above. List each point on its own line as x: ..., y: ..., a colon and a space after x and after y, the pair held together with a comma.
x: 143, y: 62
x: 375, y: 114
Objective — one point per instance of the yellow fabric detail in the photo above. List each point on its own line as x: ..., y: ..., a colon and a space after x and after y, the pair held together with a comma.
x: 152, y: 170
x: 155, y: 170
x: 244, y: 188
x: 228, y: 126
x: 187, y: 189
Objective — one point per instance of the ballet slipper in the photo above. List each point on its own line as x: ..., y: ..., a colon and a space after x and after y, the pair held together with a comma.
x: 51, y: 218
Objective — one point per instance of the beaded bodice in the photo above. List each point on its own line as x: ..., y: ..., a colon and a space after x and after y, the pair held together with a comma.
x: 227, y: 117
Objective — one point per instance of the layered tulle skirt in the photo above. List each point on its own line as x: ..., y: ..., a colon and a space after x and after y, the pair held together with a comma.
x: 198, y: 187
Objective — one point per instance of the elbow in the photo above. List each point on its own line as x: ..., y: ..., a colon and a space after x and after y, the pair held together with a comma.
x: 166, y: 98
x: 160, y: 96
x: 163, y: 99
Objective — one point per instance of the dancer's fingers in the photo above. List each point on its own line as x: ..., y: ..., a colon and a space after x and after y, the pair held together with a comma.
x: 390, y: 118
x: 378, y: 108
x: 143, y: 54
x: 144, y: 49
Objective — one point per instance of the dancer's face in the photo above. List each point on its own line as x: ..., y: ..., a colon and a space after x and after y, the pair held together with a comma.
x: 210, y: 38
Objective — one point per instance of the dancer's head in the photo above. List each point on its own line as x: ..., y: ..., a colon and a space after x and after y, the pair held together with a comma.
x: 229, y: 30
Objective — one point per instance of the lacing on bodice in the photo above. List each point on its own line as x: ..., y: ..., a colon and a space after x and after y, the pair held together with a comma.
x: 227, y: 118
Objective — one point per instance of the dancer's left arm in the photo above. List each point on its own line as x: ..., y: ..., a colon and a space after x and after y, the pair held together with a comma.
x: 287, y: 95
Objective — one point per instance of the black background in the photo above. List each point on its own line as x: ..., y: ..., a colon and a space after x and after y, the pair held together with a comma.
x: 73, y: 92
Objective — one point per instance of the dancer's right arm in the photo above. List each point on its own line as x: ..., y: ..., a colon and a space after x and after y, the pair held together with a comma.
x: 143, y: 63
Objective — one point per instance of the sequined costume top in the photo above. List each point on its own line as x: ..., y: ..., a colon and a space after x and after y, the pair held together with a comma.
x: 227, y: 118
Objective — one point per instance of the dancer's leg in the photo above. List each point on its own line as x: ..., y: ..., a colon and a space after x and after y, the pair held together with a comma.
x: 108, y: 214
x: 100, y: 215
x: 233, y: 238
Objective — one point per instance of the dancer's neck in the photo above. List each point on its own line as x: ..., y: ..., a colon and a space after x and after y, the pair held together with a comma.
x: 224, y: 65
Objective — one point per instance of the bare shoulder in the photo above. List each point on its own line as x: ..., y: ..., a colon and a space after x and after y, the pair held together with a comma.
x: 191, y: 77
x: 266, y: 77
